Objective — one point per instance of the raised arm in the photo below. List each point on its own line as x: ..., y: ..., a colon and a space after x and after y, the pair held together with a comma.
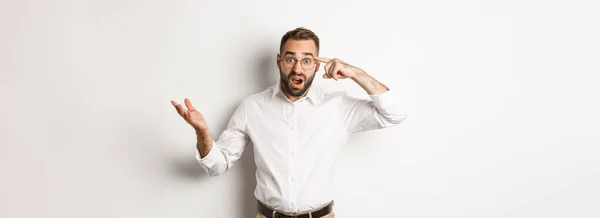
x: 217, y: 157
x: 385, y: 108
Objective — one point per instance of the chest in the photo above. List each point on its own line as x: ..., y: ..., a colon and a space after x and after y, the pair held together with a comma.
x: 301, y: 123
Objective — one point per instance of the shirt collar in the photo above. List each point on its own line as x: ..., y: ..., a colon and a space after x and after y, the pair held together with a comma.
x: 314, y: 93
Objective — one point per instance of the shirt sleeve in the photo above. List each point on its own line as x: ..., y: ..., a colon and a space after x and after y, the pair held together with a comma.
x: 230, y: 145
x: 383, y: 110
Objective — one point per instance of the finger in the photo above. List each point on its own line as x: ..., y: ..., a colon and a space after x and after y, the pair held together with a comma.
x: 176, y: 107
x: 186, y: 115
x: 188, y: 104
x: 336, y: 71
x: 328, y: 67
x: 174, y: 104
x: 322, y: 59
x: 182, y: 110
x: 332, y: 72
x: 325, y: 76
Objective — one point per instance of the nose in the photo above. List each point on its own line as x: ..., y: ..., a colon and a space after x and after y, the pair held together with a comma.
x: 298, y: 66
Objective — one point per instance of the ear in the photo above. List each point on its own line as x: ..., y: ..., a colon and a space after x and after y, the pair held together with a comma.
x: 278, y: 61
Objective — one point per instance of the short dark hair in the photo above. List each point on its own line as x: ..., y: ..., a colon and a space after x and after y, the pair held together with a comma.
x: 300, y: 33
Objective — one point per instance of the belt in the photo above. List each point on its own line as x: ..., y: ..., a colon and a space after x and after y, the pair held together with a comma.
x: 268, y: 212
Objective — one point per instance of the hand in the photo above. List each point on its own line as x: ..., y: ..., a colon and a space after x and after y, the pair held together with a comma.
x: 191, y: 116
x: 337, y: 69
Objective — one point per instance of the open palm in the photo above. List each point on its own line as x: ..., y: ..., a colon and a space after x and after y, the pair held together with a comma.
x: 191, y: 115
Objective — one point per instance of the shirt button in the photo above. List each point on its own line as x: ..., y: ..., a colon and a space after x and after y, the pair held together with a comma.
x: 293, y: 152
x: 292, y: 204
x: 292, y: 179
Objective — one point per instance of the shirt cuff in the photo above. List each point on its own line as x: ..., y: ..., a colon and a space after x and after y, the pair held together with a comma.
x: 385, y: 100
x: 210, y: 159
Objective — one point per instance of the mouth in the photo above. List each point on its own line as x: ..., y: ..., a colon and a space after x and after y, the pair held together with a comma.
x: 297, y: 81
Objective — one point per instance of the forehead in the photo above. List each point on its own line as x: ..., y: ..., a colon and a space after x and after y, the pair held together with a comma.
x: 299, y: 46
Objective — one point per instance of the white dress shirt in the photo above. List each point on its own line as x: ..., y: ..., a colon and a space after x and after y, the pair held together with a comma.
x: 296, y: 143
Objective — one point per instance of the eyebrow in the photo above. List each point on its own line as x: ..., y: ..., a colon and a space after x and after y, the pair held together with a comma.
x: 293, y: 53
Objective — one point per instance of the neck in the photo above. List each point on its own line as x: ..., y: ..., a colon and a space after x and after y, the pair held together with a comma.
x: 291, y: 97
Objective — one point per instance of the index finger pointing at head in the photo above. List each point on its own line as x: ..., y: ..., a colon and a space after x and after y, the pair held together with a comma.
x: 188, y: 104
x: 322, y: 59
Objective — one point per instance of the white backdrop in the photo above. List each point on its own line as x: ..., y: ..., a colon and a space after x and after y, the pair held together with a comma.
x: 503, y: 95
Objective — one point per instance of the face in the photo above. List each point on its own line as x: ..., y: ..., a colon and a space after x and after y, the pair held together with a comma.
x: 295, y: 56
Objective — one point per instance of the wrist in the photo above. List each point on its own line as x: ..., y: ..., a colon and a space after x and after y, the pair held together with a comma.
x: 358, y: 74
x: 201, y: 132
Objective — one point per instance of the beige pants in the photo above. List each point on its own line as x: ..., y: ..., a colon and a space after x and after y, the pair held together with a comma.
x: 330, y: 215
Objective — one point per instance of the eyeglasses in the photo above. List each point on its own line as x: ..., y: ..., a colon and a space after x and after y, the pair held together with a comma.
x: 290, y: 62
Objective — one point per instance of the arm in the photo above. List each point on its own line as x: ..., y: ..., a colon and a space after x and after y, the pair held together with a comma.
x: 217, y: 157
x: 385, y: 108
x: 204, y: 143
x: 368, y: 83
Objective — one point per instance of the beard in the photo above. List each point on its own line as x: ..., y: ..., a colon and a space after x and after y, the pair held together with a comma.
x: 287, y: 87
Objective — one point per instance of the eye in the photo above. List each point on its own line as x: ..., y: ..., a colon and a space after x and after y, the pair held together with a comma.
x: 307, y: 61
x: 290, y: 60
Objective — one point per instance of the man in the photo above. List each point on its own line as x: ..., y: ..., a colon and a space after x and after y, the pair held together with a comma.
x: 297, y: 130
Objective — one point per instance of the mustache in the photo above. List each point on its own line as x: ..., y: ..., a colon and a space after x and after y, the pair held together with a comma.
x: 296, y: 74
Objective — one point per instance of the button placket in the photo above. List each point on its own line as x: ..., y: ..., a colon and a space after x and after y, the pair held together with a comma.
x: 292, y: 116
x: 292, y: 184
x: 291, y: 163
